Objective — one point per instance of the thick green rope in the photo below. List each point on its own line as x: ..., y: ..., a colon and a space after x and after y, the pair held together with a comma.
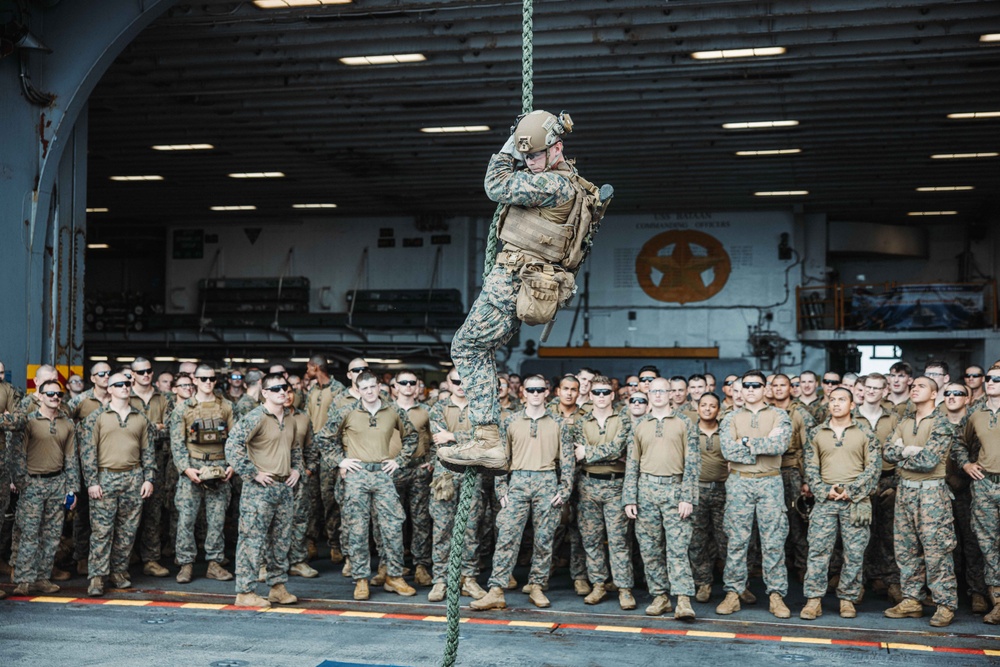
x: 470, y: 480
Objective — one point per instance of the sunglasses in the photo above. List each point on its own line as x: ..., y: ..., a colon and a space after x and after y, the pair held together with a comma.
x: 81, y: 381
x: 119, y: 385
x: 205, y: 378
x: 143, y: 371
x: 795, y: 384
x: 955, y: 392
x: 358, y: 369
x: 184, y: 386
x: 648, y: 378
x: 102, y: 374
x: 638, y: 401
x: 455, y: 381
x: 993, y: 378
x: 728, y: 383
x: 50, y: 394
x: 235, y: 377
x: 407, y: 383
x: 600, y: 392
x: 973, y: 375
x: 535, y: 390
x: 658, y: 391
x: 829, y: 382
x: 277, y: 389
x: 753, y: 385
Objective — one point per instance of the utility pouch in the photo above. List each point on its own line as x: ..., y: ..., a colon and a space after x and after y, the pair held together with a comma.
x: 443, y: 488
x: 209, y: 431
x: 544, y: 287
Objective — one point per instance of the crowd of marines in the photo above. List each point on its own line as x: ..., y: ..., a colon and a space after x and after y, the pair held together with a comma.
x: 887, y: 484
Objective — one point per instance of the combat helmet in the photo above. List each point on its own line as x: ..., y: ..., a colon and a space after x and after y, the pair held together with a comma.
x: 538, y: 130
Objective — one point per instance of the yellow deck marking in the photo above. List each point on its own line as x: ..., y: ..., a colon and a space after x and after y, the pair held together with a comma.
x: 704, y: 633
x: 909, y: 647
x: 807, y: 640
x: 617, y: 628
x: 364, y: 614
x: 202, y: 605
x: 128, y: 603
x: 531, y: 624
x: 436, y: 619
x: 42, y: 598
x: 285, y: 610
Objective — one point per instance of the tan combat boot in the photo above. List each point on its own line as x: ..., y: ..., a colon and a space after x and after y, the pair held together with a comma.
x: 119, y: 580
x: 398, y: 586
x: 251, y: 600
x: 217, y: 572
x: 346, y: 571
x: 596, y: 594
x: 361, y: 589
x: 484, y: 451
x: 704, y: 593
x: 437, y: 593
x: 847, y: 609
x: 943, y: 617
x: 625, y: 599
x: 303, y: 570
x: 812, y: 610
x: 82, y: 567
x: 59, y: 575
x: 472, y: 589
x: 281, y: 595
x: 581, y: 587
x: 96, y: 587
x: 311, y: 550
x: 778, y: 607
x: 493, y: 600
x: 45, y: 586
x: 895, y: 593
x: 184, y: 576
x: 978, y: 603
x: 538, y: 598
x: 729, y: 605
x: 526, y: 589
x: 908, y: 608
x: 746, y: 597
x: 661, y: 605
x: 684, y: 612
x: 336, y: 556
x: 422, y: 577
x: 511, y: 583
x: 993, y: 617
x: 153, y: 569
x: 380, y: 577
x: 21, y: 589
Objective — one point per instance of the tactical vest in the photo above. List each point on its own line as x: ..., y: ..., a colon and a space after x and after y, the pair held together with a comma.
x: 557, y: 234
x: 207, y: 428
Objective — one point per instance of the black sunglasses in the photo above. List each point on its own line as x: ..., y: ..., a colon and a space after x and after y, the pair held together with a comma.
x: 831, y: 381
x: 123, y: 383
x: 638, y: 401
x: 205, y: 378
x: 955, y: 392
x: 143, y: 371
x: 795, y: 384
x: 535, y: 390
x: 236, y: 376
x: 973, y: 375
x: 358, y: 369
x: 102, y: 374
x: 277, y: 388
x: 600, y: 392
x: 728, y: 383
x: 648, y: 378
x: 753, y: 385
x: 407, y: 383
x: 633, y: 384
x: 50, y: 394
x: 455, y: 381
x: 993, y: 378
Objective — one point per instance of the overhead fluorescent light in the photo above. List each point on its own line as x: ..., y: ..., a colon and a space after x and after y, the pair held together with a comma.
x: 98, y: 358
x: 125, y: 360
x: 258, y: 174
x: 739, y: 53
x: 314, y: 206
x: 961, y: 156
x: 97, y: 246
x: 291, y: 4
x: 257, y: 360
x: 922, y: 213
x: 759, y: 124
x: 136, y: 178
x: 188, y: 360
x: 975, y: 114
x: 455, y: 128
x: 776, y: 151
x: 299, y: 360
x: 391, y: 59
x: 446, y: 364
x: 164, y: 358
x: 991, y: 37
x: 183, y: 147
x: 945, y: 188
x: 243, y: 207
x: 380, y: 360
x: 781, y: 193
x: 97, y: 209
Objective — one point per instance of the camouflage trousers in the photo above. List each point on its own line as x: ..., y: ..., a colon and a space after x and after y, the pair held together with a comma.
x: 968, y: 554
x: 762, y: 497
x: 986, y: 522
x: 265, y: 530
x: 708, y: 538
x: 528, y: 492
x: 331, y: 506
x: 305, y: 493
x: 151, y: 523
x: 600, y: 513
x: 880, y: 559
x: 39, y: 521
x: 443, y: 518
x: 568, y: 532
x: 81, y: 527
x: 827, y: 519
x: 114, y: 521
x: 491, y: 322
x: 413, y: 488
x: 925, y: 540
x: 370, y: 493
x: 796, y: 546
x: 189, y: 499
x: 664, y: 538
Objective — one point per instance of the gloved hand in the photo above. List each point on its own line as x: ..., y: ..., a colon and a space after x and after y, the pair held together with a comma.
x: 509, y: 149
x: 442, y: 487
x: 861, y: 513
x: 888, y: 493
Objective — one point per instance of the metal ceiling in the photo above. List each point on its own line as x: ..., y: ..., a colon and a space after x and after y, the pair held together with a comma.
x: 870, y: 82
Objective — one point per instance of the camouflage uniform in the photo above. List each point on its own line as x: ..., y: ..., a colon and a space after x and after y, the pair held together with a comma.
x: 190, y: 497
x: 306, y: 490
x: 664, y: 538
x: 925, y: 523
x: 79, y: 408
x: 979, y: 443
x: 492, y: 320
x: 40, y: 510
x: 9, y: 423
x: 760, y: 494
x: 532, y: 491
x: 600, y: 508
x: 369, y: 487
x: 707, y: 518
x: 880, y: 557
x: 796, y: 547
x: 150, y: 525
x: 114, y: 519
x: 446, y: 416
x: 830, y: 516
x: 265, y: 511
x: 318, y: 402
x: 568, y: 531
